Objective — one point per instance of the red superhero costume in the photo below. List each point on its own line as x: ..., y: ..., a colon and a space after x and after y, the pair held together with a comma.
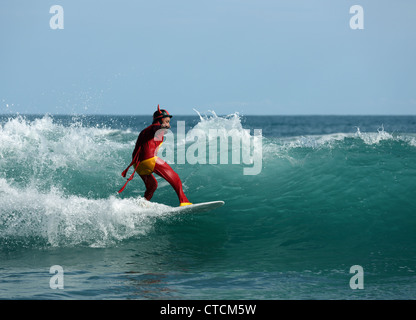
x: 145, y: 160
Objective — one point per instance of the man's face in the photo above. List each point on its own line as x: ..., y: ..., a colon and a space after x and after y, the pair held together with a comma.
x: 166, y: 123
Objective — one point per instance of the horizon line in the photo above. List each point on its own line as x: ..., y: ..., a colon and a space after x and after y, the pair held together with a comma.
x: 196, y: 115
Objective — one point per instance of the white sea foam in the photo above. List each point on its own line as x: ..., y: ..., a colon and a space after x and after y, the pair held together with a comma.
x: 46, y: 186
x: 63, y: 220
x: 374, y: 137
x: 46, y: 143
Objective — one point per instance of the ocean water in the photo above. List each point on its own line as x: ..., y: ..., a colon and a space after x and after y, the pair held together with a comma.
x: 332, y: 192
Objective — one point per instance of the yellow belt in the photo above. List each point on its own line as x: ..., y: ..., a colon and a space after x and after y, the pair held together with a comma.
x: 146, y: 167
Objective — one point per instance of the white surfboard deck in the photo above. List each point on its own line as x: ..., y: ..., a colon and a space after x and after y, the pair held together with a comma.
x: 199, y: 207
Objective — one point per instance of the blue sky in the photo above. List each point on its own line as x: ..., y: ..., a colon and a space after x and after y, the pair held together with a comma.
x: 249, y: 56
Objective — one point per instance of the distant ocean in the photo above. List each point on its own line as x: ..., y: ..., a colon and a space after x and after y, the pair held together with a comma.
x: 333, y: 192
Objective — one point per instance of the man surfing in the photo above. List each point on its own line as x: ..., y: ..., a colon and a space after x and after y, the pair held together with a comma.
x: 146, y: 162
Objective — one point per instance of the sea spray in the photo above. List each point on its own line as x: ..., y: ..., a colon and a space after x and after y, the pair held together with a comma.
x: 214, y: 142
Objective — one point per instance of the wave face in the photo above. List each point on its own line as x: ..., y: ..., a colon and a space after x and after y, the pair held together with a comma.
x: 331, y: 191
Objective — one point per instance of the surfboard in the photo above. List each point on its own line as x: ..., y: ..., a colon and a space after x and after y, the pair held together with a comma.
x: 199, y: 207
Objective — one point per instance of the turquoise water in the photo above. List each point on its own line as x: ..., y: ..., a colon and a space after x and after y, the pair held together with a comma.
x: 333, y: 192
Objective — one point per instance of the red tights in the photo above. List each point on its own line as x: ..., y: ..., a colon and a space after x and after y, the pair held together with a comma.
x: 166, y: 172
